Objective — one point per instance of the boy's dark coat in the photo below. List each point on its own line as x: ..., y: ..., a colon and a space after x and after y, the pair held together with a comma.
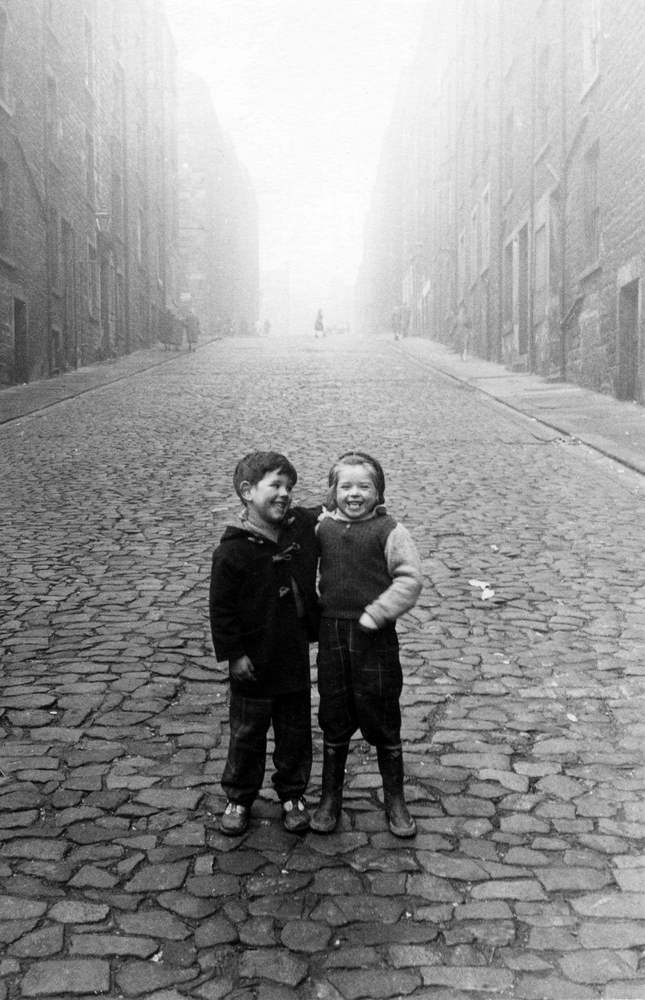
x: 251, y: 600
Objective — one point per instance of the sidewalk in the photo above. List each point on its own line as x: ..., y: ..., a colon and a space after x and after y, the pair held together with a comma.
x: 614, y: 428
x: 19, y: 400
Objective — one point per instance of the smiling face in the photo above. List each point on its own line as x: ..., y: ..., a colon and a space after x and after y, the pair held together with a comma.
x: 356, y: 493
x: 268, y: 500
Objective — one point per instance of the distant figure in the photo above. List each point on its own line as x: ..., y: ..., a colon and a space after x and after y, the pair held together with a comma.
x: 192, y: 330
x: 396, y: 323
x: 405, y: 320
x: 266, y: 329
x: 319, y: 326
x: 463, y: 329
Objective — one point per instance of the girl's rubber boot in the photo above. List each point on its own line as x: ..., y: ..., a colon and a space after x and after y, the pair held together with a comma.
x: 327, y: 814
x: 390, y: 762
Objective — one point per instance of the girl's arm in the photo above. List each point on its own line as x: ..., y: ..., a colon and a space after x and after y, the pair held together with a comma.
x: 404, y: 566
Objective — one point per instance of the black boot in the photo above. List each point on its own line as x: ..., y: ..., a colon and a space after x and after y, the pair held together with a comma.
x: 390, y: 762
x: 327, y: 814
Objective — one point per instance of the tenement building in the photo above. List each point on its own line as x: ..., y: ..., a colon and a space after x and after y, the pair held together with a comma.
x: 218, y: 225
x: 88, y: 182
x: 510, y: 185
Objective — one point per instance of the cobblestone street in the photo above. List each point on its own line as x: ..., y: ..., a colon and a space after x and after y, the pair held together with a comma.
x: 523, y: 701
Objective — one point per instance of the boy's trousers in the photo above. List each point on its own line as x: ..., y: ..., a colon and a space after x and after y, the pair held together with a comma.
x: 359, y: 682
x: 250, y: 719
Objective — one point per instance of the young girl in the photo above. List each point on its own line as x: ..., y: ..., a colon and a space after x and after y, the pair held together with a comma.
x: 369, y: 575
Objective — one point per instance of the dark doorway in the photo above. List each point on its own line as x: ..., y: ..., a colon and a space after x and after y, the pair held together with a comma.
x: 20, y: 358
x: 627, y: 381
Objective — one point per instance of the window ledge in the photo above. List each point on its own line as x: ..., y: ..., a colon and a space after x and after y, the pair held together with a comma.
x: 590, y: 271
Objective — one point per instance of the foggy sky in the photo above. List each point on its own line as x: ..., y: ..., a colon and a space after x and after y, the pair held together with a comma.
x: 304, y: 89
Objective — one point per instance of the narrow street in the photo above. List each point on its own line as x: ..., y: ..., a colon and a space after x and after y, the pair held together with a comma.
x: 523, y: 701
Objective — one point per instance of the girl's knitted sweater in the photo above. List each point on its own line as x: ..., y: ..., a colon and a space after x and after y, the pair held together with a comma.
x: 370, y: 566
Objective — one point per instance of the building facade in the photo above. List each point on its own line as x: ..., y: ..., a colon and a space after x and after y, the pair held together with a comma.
x: 88, y: 182
x: 218, y: 225
x: 511, y: 184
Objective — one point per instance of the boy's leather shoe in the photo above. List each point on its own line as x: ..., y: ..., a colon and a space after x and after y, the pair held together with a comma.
x: 295, y: 815
x: 234, y: 820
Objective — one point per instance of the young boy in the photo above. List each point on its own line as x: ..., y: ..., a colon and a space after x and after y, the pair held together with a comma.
x: 369, y: 575
x: 264, y: 614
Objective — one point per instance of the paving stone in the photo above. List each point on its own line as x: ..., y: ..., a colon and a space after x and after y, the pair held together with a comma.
x: 69, y: 977
x: 37, y: 944
x: 137, y: 978
x: 282, y: 967
x: 111, y: 944
x: 158, y: 878
x: 78, y: 912
x: 630, y: 905
x: 612, y: 934
x: 215, y: 931
x: 551, y: 988
x: 599, y: 966
x: 306, y: 936
x: 15, y: 908
x: 568, y: 877
x: 469, y: 978
x: 154, y: 923
x: 373, y: 984
x: 505, y: 889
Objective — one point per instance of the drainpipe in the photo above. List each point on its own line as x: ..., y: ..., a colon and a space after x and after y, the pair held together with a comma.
x: 531, y: 240
x: 46, y: 204
x: 564, y: 166
x: 500, y: 190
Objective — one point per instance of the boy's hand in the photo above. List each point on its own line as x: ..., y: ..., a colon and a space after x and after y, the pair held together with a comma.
x: 242, y: 669
x: 367, y: 623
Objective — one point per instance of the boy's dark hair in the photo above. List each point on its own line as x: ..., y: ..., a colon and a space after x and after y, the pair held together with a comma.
x: 356, y: 458
x: 254, y: 467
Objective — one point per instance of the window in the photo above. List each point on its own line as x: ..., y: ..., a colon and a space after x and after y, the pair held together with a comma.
x: 92, y: 279
x: 591, y: 206
x: 590, y: 41
x: 5, y: 204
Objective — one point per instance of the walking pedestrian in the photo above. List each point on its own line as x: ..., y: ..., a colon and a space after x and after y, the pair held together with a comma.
x: 263, y: 615
x: 369, y: 575
x: 192, y: 330
x: 463, y: 329
x: 319, y: 325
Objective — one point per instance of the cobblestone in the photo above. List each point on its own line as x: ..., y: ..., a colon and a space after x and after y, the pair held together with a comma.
x: 522, y: 715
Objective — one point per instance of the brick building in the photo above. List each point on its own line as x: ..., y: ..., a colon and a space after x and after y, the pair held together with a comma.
x: 88, y: 182
x: 218, y: 219
x: 511, y: 182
